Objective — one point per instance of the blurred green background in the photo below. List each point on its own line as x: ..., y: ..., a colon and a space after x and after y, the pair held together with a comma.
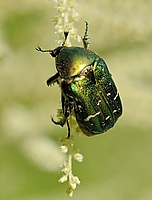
x: 117, y: 164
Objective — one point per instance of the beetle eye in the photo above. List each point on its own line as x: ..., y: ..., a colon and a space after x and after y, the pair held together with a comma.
x: 56, y: 51
x: 53, y: 53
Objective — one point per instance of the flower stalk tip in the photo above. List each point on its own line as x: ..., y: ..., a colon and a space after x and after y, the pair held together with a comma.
x: 64, y: 20
x: 73, y: 152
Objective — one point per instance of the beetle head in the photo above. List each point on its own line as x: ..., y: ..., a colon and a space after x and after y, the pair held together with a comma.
x: 56, y: 51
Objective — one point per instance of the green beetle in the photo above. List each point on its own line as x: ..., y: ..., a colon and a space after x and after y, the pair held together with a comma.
x: 86, y: 86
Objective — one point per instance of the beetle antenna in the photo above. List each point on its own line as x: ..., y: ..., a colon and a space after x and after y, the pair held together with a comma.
x: 39, y: 49
x: 85, y: 39
x: 66, y: 33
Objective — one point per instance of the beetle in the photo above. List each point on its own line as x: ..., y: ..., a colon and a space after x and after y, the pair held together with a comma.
x: 87, y: 88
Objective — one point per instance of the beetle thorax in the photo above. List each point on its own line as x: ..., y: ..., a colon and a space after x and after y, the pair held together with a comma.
x: 72, y: 60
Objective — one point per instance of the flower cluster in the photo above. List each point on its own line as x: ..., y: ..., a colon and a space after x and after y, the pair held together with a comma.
x: 67, y: 146
x: 64, y: 20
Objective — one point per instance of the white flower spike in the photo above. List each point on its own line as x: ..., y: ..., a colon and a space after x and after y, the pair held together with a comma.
x: 64, y: 20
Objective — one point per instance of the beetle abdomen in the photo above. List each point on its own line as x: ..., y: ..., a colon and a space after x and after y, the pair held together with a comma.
x: 97, y: 104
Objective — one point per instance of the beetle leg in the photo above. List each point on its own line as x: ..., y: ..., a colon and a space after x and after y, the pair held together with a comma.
x: 53, y: 79
x: 68, y: 129
x: 85, y: 38
x: 65, y: 37
x: 65, y: 113
x: 67, y: 107
x: 61, y: 122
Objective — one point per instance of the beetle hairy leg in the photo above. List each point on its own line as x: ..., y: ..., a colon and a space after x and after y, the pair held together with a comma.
x: 85, y: 38
x: 53, y: 79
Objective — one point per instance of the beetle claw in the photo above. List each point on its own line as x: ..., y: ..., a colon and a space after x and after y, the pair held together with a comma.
x: 61, y: 122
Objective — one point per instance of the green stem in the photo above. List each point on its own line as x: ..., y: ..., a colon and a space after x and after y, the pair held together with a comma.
x: 70, y: 166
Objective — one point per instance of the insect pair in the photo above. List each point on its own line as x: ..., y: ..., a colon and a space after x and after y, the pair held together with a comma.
x: 86, y: 86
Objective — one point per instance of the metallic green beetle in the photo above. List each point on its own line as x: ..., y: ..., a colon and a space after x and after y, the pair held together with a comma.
x: 87, y: 87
